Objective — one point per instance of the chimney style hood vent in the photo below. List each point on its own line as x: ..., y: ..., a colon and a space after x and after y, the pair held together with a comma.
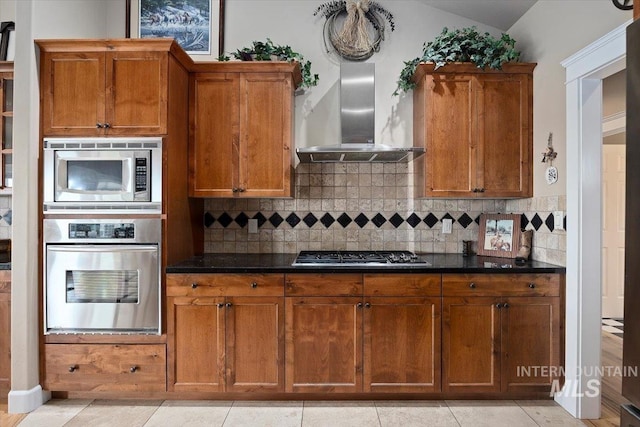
x: 357, y: 112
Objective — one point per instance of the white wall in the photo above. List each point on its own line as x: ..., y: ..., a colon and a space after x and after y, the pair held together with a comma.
x: 548, y: 33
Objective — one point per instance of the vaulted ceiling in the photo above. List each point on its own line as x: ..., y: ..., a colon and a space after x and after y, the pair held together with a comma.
x: 501, y: 14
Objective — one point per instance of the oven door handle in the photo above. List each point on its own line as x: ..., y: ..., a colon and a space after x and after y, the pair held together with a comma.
x: 101, y: 248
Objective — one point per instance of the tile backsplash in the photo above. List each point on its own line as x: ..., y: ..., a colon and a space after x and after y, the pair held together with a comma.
x: 361, y: 206
x: 6, y: 215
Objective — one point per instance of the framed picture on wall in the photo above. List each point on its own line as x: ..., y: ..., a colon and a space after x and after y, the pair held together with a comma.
x: 197, y: 25
x: 499, y: 235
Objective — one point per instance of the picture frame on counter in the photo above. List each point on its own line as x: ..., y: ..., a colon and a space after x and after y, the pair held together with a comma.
x: 197, y: 25
x: 499, y: 235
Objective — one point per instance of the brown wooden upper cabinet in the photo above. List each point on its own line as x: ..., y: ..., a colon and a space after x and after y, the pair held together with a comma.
x: 241, y: 129
x: 477, y: 129
x: 105, y: 87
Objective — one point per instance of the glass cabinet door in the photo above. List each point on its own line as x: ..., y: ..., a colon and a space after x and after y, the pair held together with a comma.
x: 6, y: 129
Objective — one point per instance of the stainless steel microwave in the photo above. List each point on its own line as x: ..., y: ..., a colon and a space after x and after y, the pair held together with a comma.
x: 106, y: 175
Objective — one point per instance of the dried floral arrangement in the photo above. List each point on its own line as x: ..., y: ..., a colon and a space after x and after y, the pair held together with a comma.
x: 362, y: 30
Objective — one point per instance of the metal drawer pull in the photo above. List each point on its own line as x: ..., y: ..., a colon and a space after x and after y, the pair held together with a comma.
x: 506, y: 305
x: 254, y: 285
x: 368, y: 305
x: 532, y: 285
x: 359, y: 305
x: 229, y: 304
x: 472, y: 285
x: 133, y: 369
x: 73, y: 368
x: 498, y: 305
x: 194, y: 285
x: 220, y: 305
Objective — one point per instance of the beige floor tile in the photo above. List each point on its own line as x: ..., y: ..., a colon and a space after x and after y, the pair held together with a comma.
x: 55, y: 413
x: 489, y: 413
x: 264, y: 414
x: 415, y: 413
x: 190, y: 413
x: 548, y: 413
x: 109, y: 413
x: 339, y: 414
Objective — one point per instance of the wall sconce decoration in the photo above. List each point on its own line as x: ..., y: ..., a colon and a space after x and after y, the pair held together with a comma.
x: 623, y: 4
x: 551, y: 174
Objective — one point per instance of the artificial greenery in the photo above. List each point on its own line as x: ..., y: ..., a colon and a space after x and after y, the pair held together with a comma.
x: 267, y: 51
x: 461, y: 45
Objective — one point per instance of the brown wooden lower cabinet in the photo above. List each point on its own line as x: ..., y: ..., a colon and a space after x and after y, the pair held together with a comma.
x: 509, y: 343
x: 226, y: 344
x: 5, y: 336
x: 105, y: 367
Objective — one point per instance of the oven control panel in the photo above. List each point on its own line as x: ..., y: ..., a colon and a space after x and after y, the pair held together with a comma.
x: 105, y: 230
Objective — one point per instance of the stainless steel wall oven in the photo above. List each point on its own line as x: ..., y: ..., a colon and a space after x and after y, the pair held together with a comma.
x: 102, y: 275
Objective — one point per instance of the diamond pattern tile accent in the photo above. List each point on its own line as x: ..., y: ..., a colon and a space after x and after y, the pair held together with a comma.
x: 413, y: 220
x: 465, y: 220
x: 550, y: 222
x: 396, y: 220
x: 344, y: 219
x: 564, y: 222
x: 261, y: 219
x: 477, y: 220
x: 8, y: 216
x: 524, y: 221
x: 378, y: 220
x: 225, y: 220
x: 361, y: 220
x: 536, y: 221
x: 276, y: 220
x: 293, y: 219
x: 242, y: 219
x: 327, y: 220
x: 448, y: 216
x: 430, y: 220
x: 310, y: 219
x: 208, y: 219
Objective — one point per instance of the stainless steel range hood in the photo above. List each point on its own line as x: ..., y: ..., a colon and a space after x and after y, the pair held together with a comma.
x: 357, y: 112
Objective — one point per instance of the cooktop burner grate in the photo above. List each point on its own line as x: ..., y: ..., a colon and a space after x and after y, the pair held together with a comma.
x: 346, y: 258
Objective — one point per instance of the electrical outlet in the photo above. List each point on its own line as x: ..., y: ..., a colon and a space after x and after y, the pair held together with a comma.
x: 447, y: 224
x: 253, y: 226
x: 558, y: 220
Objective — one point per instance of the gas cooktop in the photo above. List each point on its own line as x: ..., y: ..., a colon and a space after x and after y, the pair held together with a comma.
x: 352, y: 258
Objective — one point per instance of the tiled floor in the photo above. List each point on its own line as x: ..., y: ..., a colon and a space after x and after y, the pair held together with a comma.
x: 97, y: 413
x: 615, y: 326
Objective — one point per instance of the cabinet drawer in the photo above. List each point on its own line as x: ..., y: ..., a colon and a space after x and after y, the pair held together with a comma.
x: 501, y: 284
x: 323, y: 284
x: 186, y: 285
x: 402, y: 285
x: 105, y: 367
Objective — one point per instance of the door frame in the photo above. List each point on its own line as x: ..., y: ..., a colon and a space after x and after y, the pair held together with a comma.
x: 584, y: 73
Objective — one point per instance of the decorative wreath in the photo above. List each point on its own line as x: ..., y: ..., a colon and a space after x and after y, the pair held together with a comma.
x: 362, y: 30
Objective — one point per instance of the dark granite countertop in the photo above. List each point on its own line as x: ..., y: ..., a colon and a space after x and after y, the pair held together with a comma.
x: 281, y: 263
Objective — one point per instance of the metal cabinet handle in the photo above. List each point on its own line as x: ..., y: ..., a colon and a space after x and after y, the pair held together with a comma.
x: 235, y: 189
x: 506, y: 305
x: 472, y: 285
x: 228, y: 304
x: 133, y: 369
x: 220, y: 305
x: 367, y: 305
x: 359, y: 305
x: 481, y: 190
x: 532, y: 285
x: 254, y: 285
x: 107, y: 125
x: 194, y: 285
x: 242, y: 190
x: 498, y: 305
x: 73, y: 368
x: 99, y: 125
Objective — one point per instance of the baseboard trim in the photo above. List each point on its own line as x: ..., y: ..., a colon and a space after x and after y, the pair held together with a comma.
x: 24, y: 401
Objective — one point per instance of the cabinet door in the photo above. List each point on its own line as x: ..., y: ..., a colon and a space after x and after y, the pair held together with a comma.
x: 136, y: 93
x: 73, y: 93
x: 471, y: 344
x: 266, y: 102
x: 504, y: 133
x: 401, y: 344
x: 5, y: 338
x: 530, y: 343
x: 255, y: 343
x: 196, y: 340
x: 323, y: 344
x: 214, y: 135
x: 450, y: 142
